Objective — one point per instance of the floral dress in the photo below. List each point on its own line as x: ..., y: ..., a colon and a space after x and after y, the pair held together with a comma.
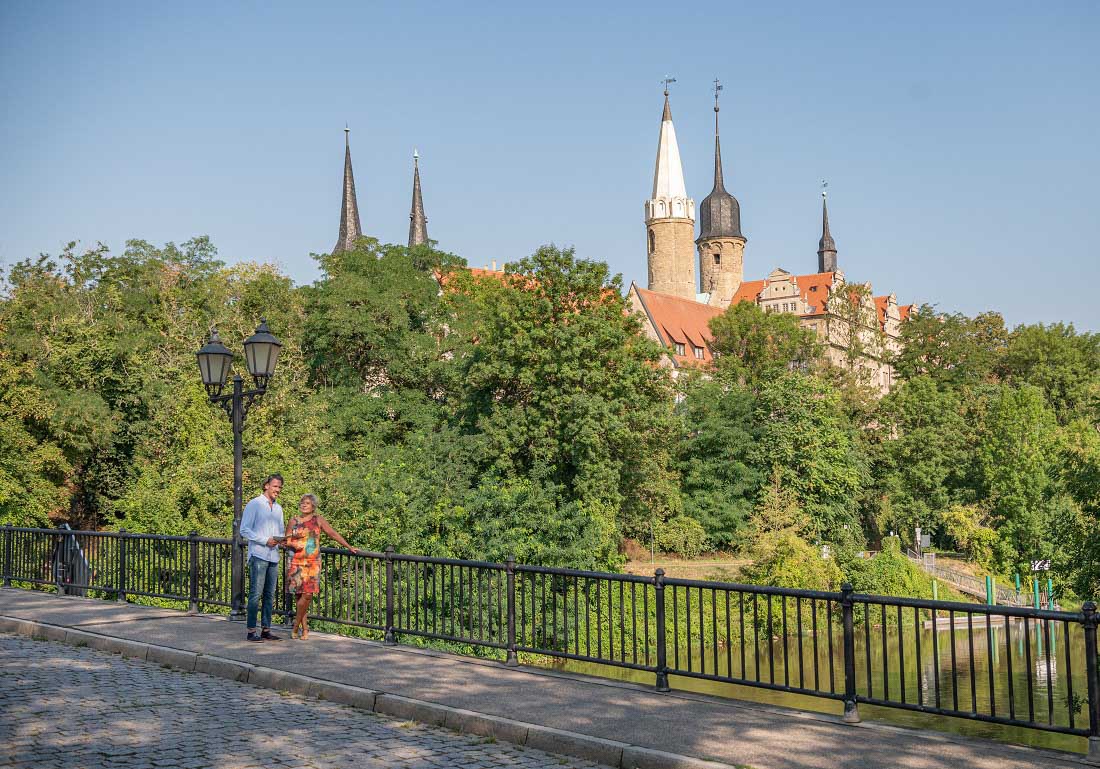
x: 304, y: 571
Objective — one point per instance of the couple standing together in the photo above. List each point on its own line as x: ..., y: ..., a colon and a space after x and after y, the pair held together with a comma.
x: 262, y: 527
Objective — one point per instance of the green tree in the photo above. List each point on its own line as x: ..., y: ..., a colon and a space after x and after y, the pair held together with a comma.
x: 922, y: 451
x: 752, y: 346
x: 1063, y: 364
x: 951, y: 348
x: 1014, y: 458
x: 805, y: 442
x: 567, y: 394
x: 718, y: 484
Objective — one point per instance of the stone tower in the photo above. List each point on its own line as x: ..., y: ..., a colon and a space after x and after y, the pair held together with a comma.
x: 721, y: 244
x: 670, y: 219
x: 418, y: 223
x: 350, y: 229
x: 826, y: 247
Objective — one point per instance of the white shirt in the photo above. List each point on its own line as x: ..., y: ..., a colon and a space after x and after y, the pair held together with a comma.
x: 261, y: 521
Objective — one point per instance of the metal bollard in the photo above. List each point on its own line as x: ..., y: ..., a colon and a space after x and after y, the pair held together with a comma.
x: 8, y: 536
x: 120, y: 593
x: 390, y: 638
x: 662, y: 652
x: 510, y: 571
x: 1088, y: 610
x: 193, y: 576
x: 851, y: 709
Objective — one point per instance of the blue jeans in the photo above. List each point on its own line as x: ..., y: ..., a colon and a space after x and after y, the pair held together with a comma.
x: 262, y: 578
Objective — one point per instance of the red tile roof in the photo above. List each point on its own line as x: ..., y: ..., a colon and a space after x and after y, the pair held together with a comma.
x: 813, y: 288
x: 682, y: 321
x: 881, y: 302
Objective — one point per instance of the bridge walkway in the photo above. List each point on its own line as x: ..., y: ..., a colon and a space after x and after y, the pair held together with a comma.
x: 610, y: 722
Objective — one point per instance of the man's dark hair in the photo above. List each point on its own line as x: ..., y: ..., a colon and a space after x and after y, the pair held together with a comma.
x: 272, y: 477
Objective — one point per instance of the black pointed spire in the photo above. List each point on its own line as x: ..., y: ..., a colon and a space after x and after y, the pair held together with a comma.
x: 719, y: 213
x: 826, y: 247
x: 350, y: 228
x: 418, y: 223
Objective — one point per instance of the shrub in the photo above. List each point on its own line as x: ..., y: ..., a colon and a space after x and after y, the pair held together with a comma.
x: 681, y: 535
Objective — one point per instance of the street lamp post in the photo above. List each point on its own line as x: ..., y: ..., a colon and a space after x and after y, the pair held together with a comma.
x: 261, y: 353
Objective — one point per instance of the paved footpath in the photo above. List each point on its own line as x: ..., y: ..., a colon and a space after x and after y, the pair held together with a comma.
x: 77, y: 708
x: 610, y: 722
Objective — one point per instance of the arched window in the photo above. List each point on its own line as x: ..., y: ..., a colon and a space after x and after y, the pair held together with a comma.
x: 652, y: 242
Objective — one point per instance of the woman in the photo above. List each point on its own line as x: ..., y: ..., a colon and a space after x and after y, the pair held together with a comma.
x: 303, y: 576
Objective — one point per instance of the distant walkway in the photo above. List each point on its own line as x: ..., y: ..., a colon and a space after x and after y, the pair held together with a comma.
x: 969, y: 584
x: 77, y: 707
x: 612, y: 723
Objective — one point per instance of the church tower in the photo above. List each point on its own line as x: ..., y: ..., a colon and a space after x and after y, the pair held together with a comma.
x: 350, y: 229
x: 826, y: 247
x: 670, y: 218
x: 418, y: 223
x: 721, y: 244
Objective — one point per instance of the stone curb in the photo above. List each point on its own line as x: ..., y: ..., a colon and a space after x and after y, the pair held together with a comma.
x: 610, y: 752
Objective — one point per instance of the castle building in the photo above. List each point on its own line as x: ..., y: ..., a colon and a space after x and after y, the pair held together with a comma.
x: 857, y: 329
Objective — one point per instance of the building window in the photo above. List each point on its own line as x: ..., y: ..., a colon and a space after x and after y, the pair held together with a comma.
x: 699, y: 353
x: 680, y: 348
x: 717, y: 258
x: 652, y: 242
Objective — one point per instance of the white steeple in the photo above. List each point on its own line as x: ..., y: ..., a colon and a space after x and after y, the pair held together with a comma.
x: 670, y: 199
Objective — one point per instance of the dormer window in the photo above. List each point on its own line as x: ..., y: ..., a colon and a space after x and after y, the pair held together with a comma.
x: 699, y: 353
x: 680, y: 350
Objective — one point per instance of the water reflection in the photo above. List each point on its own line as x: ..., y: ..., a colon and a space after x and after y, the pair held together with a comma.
x: 1021, y: 670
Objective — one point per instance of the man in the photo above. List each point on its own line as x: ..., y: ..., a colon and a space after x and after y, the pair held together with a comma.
x: 262, y: 527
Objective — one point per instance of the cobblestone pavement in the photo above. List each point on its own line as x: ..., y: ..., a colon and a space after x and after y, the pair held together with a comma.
x: 68, y: 707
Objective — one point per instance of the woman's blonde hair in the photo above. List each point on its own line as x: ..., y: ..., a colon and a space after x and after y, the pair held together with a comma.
x: 312, y: 499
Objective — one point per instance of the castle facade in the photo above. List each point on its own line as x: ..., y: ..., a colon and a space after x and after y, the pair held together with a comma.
x: 857, y: 329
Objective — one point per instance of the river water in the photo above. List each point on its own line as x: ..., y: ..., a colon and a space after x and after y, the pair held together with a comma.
x: 1041, y: 662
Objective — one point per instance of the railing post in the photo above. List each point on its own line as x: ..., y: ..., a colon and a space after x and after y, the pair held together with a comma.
x: 389, y: 638
x: 1089, y: 625
x: 120, y: 594
x: 193, y: 581
x: 851, y: 710
x: 510, y: 571
x: 662, y: 654
x: 8, y: 535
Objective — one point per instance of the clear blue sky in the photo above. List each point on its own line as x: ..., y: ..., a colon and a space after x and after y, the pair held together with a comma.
x: 959, y: 139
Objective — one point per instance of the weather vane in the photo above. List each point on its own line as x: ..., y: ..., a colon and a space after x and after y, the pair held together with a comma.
x: 717, y: 88
x: 824, y: 188
x: 669, y: 79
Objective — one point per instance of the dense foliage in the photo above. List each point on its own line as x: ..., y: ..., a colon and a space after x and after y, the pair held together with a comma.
x: 523, y: 413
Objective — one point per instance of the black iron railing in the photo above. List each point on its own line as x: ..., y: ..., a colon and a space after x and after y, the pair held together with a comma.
x: 1000, y: 664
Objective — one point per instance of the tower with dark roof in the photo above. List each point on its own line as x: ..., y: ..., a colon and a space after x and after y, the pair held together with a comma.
x: 826, y: 247
x: 350, y: 229
x: 721, y: 243
x: 670, y: 218
x: 418, y: 222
